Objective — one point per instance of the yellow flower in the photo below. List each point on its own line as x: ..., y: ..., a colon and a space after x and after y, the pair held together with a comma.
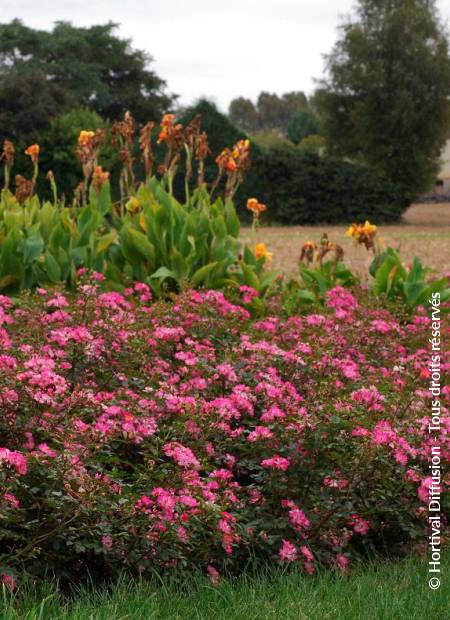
x: 85, y: 137
x: 261, y: 251
x: 369, y: 229
x: 142, y: 221
x: 363, y: 233
x: 352, y: 231
x: 133, y: 204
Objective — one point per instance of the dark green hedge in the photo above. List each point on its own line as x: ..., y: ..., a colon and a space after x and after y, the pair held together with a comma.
x: 303, y: 188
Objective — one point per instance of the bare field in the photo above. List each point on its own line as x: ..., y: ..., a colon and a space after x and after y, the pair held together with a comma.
x: 424, y: 232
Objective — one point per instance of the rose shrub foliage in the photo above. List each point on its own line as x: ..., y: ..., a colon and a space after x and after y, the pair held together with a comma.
x: 146, y: 435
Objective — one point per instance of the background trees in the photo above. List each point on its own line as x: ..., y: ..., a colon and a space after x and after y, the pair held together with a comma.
x: 384, y: 100
x: 302, y: 125
x: 44, y: 74
x: 271, y: 112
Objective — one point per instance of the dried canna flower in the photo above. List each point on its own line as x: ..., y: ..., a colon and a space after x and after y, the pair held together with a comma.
x: 8, y: 153
x: 99, y: 178
x: 8, y: 157
x: 24, y: 188
x: 145, y: 145
x: 87, y: 152
x: 308, y: 252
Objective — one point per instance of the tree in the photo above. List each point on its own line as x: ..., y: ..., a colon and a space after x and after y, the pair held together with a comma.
x: 293, y: 103
x: 271, y: 112
x: 243, y: 114
x: 302, y: 125
x: 384, y: 100
x: 27, y: 103
x: 89, y: 67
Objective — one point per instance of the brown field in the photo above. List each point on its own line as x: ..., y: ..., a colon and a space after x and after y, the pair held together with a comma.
x: 424, y: 232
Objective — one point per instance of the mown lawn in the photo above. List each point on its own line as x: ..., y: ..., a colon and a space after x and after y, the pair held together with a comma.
x: 394, y: 591
x: 424, y: 232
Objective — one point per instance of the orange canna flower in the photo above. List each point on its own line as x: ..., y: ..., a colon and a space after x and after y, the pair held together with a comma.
x: 32, y: 151
x: 167, y: 120
x: 261, y: 251
x: 230, y: 165
x: 255, y: 206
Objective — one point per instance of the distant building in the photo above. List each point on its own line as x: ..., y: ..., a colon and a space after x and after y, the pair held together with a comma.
x: 443, y: 180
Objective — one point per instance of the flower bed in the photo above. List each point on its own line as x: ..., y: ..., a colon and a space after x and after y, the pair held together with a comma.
x: 138, y: 434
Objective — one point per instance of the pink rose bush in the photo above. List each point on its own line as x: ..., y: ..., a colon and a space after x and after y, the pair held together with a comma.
x: 138, y: 434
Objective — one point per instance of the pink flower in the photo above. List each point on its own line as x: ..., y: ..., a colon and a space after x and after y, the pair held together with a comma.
x: 214, y: 575
x: 342, y: 562
x: 426, y: 487
x: 259, y: 433
x: 369, y: 397
x: 107, y: 542
x: 272, y: 414
x: 9, y: 581
x: 383, y: 433
x: 359, y: 525
x: 15, y: 459
x: 381, y: 326
x: 359, y: 431
x: 342, y: 301
x: 276, y: 462
x: 184, y: 457
x: 248, y: 293
x: 287, y: 552
x: 12, y: 500
x: 307, y: 553
x: 298, y: 518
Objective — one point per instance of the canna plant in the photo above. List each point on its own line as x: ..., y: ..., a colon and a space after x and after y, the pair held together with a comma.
x: 411, y: 285
x: 162, y: 241
x: 46, y: 243
x: 321, y: 268
x: 148, y: 235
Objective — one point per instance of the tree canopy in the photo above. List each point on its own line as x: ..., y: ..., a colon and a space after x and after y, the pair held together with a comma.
x: 270, y: 111
x: 302, y: 125
x: 43, y: 74
x: 384, y: 100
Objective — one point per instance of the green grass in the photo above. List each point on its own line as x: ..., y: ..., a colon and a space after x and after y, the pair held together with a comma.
x: 395, y: 591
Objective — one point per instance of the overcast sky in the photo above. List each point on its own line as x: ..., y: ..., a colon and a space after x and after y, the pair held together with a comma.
x: 215, y: 48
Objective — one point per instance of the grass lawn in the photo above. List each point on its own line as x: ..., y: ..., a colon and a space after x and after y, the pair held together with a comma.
x: 395, y: 591
x: 424, y: 232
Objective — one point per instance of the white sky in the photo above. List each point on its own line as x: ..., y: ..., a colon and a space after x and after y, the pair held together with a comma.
x: 215, y: 48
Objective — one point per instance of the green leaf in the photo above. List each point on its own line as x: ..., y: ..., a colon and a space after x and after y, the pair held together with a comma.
x: 162, y: 273
x: 106, y: 240
x: 202, y: 274
x: 250, y: 277
x: 32, y: 248
x: 52, y: 268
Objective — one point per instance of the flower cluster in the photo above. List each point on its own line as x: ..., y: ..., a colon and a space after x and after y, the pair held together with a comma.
x: 363, y: 233
x: 137, y: 434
